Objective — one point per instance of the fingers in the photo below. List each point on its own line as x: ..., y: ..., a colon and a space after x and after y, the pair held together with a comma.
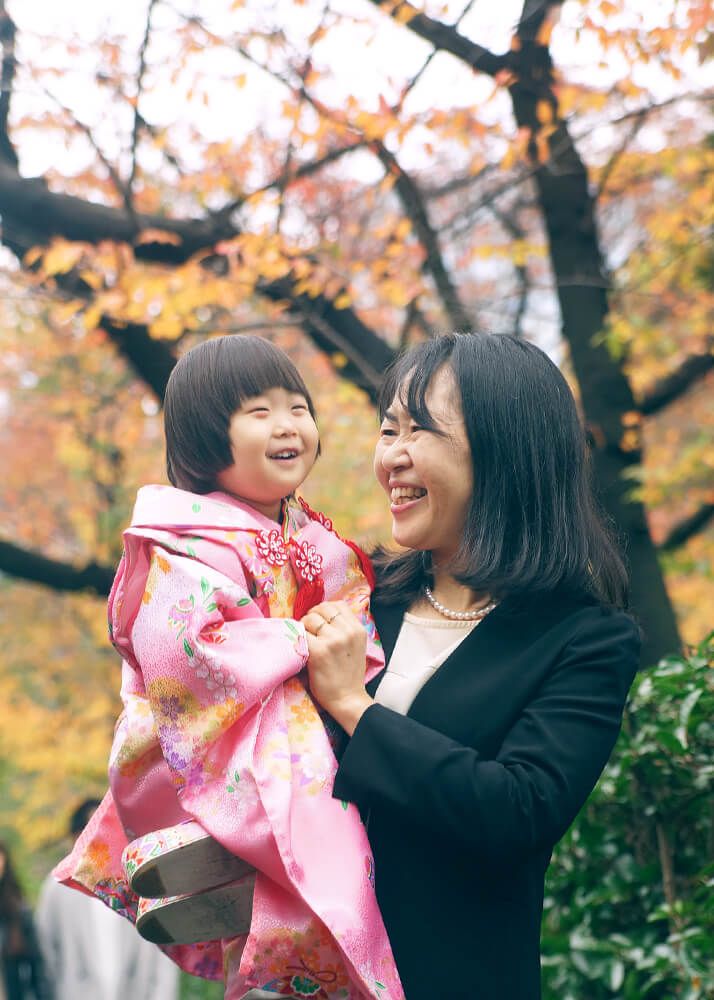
x: 330, y: 614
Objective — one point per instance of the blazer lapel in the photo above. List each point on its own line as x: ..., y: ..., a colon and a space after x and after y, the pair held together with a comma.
x: 388, y: 618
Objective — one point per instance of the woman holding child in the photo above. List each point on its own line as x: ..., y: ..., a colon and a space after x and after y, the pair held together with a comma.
x: 508, y: 660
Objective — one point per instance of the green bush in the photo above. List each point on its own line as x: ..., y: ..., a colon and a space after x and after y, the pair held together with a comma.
x: 628, y: 909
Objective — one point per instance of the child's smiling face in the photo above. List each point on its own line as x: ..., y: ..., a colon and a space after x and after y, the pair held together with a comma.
x: 274, y: 441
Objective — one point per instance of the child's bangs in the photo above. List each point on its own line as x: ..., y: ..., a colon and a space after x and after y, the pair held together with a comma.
x: 270, y: 371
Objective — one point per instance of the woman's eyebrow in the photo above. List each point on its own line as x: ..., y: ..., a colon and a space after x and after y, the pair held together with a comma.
x: 388, y: 415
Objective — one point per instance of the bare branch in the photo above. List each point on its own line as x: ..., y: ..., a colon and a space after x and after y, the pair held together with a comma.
x: 139, y: 89
x: 119, y: 185
x: 687, y: 528
x: 517, y: 233
x: 415, y: 210
x: 27, y: 565
x: 635, y: 126
x: 411, y: 84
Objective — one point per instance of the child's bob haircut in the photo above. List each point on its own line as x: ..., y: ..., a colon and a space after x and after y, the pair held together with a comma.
x: 206, y: 387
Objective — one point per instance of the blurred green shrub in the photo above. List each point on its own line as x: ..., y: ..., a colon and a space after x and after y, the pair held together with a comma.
x: 629, y: 911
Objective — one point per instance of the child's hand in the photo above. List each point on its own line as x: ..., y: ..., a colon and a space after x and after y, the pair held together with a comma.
x: 338, y: 651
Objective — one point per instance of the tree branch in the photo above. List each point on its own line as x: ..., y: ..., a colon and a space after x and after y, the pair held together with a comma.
x: 29, y: 207
x: 152, y: 360
x: 444, y: 37
x: 26, y: 565
x: 673, y: 386
x: 139, y: 88
x: 7, y: 79
x: 415, y: 210
x: 687, y: 528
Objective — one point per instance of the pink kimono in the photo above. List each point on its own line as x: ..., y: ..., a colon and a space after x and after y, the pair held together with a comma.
x: 218, y: 727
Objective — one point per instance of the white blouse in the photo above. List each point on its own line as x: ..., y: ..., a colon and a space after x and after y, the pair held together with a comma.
x: 422, y: 645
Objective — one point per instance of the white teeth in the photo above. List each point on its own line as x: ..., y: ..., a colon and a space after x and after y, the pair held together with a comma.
x: 402, y: 494
x: 285, y: 454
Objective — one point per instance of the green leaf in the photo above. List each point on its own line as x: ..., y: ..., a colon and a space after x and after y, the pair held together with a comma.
x: 684, y: 712
x: 241, y: 602
x: 187, y: 648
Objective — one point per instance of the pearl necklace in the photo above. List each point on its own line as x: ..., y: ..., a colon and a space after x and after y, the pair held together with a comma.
x: 459, y: 616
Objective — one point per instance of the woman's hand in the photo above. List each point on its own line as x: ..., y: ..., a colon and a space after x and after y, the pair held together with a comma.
x: 338, y: 651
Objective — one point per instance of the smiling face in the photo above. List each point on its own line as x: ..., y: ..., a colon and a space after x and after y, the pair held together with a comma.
x: 274, y: 441
x: 427, y: 474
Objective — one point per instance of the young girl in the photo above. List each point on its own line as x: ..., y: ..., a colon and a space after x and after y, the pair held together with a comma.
x: 220, y: 748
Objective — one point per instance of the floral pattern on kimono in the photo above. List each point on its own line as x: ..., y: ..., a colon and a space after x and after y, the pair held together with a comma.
x: 218, y: 726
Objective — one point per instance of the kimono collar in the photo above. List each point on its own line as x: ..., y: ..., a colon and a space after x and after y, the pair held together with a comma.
x: 165, y: 507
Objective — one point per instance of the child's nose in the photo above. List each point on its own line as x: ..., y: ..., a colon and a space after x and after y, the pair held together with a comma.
x: 286, y: 425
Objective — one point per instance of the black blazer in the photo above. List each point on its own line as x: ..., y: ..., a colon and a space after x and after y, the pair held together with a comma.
x: 467, y: 794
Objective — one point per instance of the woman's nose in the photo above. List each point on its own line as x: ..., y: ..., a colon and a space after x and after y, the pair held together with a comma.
x: 394, y: 455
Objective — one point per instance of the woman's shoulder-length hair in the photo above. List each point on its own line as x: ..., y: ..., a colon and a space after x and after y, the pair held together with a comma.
x: 533, y: 525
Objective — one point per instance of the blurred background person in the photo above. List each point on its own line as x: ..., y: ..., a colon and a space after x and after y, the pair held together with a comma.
x: 22, y: 974
x: 88, y: 953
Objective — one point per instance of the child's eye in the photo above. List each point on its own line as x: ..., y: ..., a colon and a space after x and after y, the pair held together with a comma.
x: 300, y: 407
x: 258, y: 409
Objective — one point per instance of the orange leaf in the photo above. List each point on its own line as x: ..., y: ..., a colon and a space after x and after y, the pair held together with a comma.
x: 158, y: 236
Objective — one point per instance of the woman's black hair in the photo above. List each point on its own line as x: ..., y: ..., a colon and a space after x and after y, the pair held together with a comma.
x: 533, y: 523
x: 206, y: 387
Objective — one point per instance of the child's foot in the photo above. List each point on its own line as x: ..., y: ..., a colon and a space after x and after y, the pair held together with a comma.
x: 203, y: 916
x: 180, y: 859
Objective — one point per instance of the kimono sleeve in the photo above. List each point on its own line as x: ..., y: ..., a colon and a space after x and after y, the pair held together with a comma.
x: 207, y: 655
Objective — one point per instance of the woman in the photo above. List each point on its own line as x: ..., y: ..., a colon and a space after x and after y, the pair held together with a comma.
x: 509, y: 658
x: 21, y: 975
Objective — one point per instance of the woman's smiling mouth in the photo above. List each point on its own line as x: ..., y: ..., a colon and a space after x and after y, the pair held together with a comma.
x: 403, y: 497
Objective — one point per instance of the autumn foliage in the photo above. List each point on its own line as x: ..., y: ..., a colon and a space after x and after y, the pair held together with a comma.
x: 345, y: 179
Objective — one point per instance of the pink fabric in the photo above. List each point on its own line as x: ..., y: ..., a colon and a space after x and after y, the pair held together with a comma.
x: 218, y: 726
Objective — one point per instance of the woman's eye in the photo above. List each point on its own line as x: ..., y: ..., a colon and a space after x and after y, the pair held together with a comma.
x: 387, y: 431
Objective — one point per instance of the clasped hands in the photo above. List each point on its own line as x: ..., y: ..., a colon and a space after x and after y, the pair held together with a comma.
x: 337, y: 643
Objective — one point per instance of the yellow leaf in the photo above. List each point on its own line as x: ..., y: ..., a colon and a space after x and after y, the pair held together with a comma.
x: 61, y: 257
x: 91, y: 317
x: 404, y: 227
x: 166, y: 328
x: 92, y: 279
